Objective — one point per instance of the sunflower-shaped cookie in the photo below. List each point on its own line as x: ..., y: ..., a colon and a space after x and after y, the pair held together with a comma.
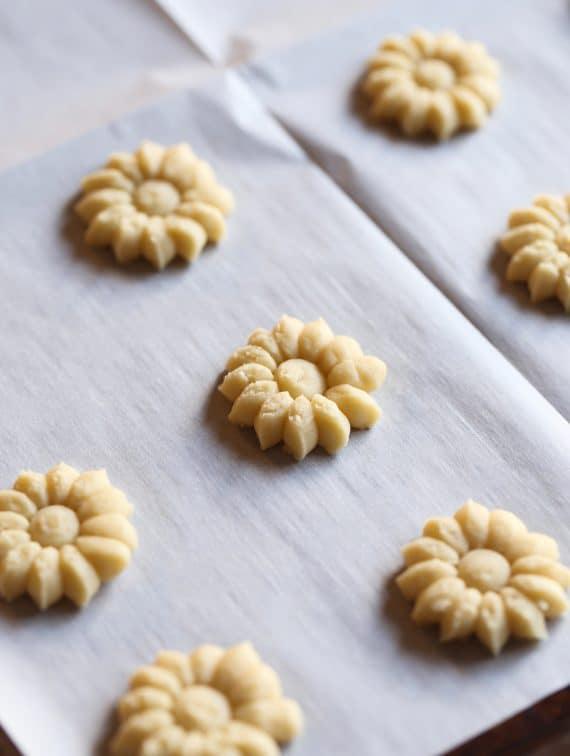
x: 156, y: 202
x: 436, y: 83
x: 62, y: 534
x: 538, y: 243
x: 301, y: 384
x: 213, y: 702
x: 482, y: 572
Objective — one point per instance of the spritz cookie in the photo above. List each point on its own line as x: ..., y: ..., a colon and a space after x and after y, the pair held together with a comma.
x: 157, y: 202
x: 62, y: 534
x: 436, y: 83
x: 212, y: 702
x: 538, y: 243
x: 301, y: 385
x: 481, y: 572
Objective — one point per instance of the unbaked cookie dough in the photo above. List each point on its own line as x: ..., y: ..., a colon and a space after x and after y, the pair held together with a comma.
x: 482, y: 572
x: 156, y: 203
x: 62, y: 534
x: 301, y: 385
x: 212, y: 702
x: 436, y: 83
x: 538, y: 243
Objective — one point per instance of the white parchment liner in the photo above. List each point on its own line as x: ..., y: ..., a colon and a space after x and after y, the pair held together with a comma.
x: 117, y: 368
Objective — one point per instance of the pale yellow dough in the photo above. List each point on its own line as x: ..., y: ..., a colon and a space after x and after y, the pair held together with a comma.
x: 301, y: 385
x: 157, y: 202
x: 538, y: 243
x: 62, y: 534
x: 481, y: 572
x: 212, y: 702
x: 436, y: 83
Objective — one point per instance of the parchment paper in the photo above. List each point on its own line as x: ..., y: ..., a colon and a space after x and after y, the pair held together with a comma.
x: 68, y: 67
x: 233, y: 31
x: 446, y: 205
x: 104, y: 366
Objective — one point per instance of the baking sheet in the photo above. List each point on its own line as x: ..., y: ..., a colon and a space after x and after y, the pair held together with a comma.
x: 233, y: 31
x: 446, y: 205
x: 118, y: 367
x: 68, y: 67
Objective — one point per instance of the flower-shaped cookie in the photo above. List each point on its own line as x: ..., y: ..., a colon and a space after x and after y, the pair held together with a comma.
x: 213, y: 702
x: 62, y: 534
x: 435, y: 83
x: 482, y: 572
x: 302, y: 385
x: 157, y: 202
x: 538, y: 243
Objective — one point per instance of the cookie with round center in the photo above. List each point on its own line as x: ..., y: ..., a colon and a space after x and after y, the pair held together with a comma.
x: 302, y: 385
x: 156, y: 197
x: 538, y: 245
x: 62, y: 534
x: 54, y: 526
x: 202, y: 708
x: 431, y: 83
x: 156, y: 203
x: 482, y: 572
x: 300, y: 378
x: 435, y: 74
x: 211, y: 702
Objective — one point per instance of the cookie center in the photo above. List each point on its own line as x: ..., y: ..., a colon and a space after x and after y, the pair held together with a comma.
x: 435, y: 74
x: 54, y: 526
x: 300, y: 377
x: 563, y: 239
x: 156, y: 197
x: 484, y: 569
x: 202, y: 708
